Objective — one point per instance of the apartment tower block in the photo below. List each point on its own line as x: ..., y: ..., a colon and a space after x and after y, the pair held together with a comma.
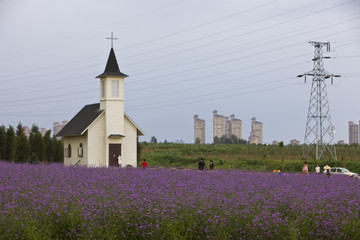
x: 353, y: 133
x: 223, y: 126
x: 256, y: 134
x: 199, y: 130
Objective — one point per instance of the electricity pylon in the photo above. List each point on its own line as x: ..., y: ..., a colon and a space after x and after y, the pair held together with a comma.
x: 319, y: 132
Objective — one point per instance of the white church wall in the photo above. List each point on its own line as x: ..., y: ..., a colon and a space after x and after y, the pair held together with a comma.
x: 130, y: 144
x: 97, y: 143
x: 114, y: 117
x: 75, y: 145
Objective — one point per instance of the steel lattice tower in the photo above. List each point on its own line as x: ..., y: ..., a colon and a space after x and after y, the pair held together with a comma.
x: 319, y: 132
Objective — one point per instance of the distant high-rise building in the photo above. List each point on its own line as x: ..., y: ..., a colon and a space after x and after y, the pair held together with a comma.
x: 199, y: 130
x: 43, y: 131
x: 57, y: 127
x: 219, y: 122
x: 235, y: 127
x: 353, y: 133
x: 223, y: 126
x: 27, y: 131
x: 294, y: 142
x: 256, y: 134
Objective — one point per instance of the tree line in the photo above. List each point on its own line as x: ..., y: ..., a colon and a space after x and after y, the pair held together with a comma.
x: 15, y: 146
x: 229, y: 140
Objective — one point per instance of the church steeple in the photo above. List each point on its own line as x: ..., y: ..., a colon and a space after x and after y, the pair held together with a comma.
x: 112, y: 96
x: 112, y: 67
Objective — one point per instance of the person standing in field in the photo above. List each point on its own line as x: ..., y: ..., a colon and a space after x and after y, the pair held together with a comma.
x: 144, y: 164
x: 201, y: 164
x: 119, y: 160
x: 211, y: 165
x: 305, y: 169
x: 327, y: 170
x: 317, y: 168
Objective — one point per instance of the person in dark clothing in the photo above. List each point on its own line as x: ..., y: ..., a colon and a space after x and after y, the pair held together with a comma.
x: 211, y: 165
x: 201, y: 164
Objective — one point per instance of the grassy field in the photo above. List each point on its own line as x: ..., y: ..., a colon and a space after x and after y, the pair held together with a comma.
x: 248, y: 157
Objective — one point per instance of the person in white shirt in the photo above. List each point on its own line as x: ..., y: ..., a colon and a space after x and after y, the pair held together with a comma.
x: 317, y: 169
x: 119, y: 160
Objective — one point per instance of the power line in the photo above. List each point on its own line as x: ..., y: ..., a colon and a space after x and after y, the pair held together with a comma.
x: 213, y: 93
x: 209, y: 99
x: 145, y: 42
x: 218, y: 33
x: 245, y: 25
x: 232, y: 51
x: 191, y: 79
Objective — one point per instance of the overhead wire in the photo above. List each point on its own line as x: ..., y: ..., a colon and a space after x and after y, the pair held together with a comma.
x: 350, y: 1
x: 191, y: 79
x: 207, y: 100
x: 244, y: 25
x: 47, y: 83
x: 144, y: 42
x: 188, y: 29
x: 182, y: 51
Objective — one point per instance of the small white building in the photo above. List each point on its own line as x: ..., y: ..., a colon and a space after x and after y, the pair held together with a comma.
x: 100, y: 132
x: 294, y: 142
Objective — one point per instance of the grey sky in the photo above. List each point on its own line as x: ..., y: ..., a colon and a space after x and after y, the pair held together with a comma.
x: 183, y: 57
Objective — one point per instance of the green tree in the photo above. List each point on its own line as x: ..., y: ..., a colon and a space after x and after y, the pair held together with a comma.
x: 153, y: 139
x: 37, y: 143
x: 2, y: 142
x: 10, y: 143
x: 197, y: 140
x: 58, y: 153
x: 22, y: 147
x: 49, y: 148
x: 234, y: 139
x: 224, y: 140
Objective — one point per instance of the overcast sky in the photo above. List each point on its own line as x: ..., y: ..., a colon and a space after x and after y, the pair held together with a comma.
x: 184, y: 57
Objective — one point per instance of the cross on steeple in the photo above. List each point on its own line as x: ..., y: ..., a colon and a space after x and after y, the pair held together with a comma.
x: 112, y: 39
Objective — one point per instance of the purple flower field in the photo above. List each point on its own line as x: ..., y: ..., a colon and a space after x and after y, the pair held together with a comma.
x: 58, y: 202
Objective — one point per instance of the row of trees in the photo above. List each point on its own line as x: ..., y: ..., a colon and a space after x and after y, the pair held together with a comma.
x: 229, y: 140
x: 15, y: 146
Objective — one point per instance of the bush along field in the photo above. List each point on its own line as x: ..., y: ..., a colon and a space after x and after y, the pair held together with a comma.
x: 57, y: 202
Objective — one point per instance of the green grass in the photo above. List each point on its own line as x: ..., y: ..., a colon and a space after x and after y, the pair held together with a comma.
x: 247, y: 157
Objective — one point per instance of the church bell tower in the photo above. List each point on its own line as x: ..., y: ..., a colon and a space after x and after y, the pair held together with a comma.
x: 112, y: 97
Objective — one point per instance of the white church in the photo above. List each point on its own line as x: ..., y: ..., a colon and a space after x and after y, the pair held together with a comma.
x: 97, y: 134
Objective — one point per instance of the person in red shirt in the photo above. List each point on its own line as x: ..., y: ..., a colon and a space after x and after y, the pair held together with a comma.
x: 144, y: 164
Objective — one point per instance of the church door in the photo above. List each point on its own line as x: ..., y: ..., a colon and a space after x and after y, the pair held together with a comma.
x: 114, y: 151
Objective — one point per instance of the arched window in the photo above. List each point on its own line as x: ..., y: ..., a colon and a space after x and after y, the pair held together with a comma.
x: 80, y: 150
x: 68, y: 151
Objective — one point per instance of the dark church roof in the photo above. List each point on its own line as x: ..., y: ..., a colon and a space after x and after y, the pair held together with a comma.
x: 81, y: 121
x: 112, y: 67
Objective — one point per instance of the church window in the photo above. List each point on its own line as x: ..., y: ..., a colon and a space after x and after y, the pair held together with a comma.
x: 115, y: 88
x: 80, y: 150
x: 102, y: 88
x: 68, y: 151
